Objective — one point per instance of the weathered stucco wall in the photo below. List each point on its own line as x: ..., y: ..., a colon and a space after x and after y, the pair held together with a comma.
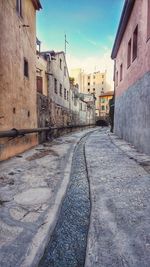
x: 132, y: 95
x: 41, y: 70
x: 141, y: 64
x: 132, y: 114
x: 17, y: 92
x: 59, y: 75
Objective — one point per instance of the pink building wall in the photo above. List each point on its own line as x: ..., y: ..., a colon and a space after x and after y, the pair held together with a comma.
x: 141, y: 64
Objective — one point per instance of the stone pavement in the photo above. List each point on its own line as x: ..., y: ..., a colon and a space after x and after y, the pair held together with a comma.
x: 32, y: 187
x: 119, y: 232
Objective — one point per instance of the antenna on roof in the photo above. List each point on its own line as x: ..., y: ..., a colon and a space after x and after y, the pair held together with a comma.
x: 66, y: 42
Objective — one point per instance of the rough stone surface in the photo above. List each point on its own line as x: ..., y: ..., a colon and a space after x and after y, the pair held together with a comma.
x: 119, y: 179
x: 30, y: 203
x: 120, y: 189
x: 35, y: 196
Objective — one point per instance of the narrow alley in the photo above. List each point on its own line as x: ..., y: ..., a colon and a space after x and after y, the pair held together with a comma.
x: 75, y: 133
x: 80, y: 200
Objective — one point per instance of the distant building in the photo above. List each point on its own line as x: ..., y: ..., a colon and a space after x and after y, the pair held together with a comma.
x: 78, y: 75
x: 53, y: 90
x: 17, y: 73
x: 82, y: 106
x: 104, y: 103
x: 131, y: 53
x: 43, y: 101
x: 93, y: 83
x: 87, y: 108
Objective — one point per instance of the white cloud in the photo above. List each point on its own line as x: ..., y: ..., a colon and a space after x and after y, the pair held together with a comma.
x: 94, y: 63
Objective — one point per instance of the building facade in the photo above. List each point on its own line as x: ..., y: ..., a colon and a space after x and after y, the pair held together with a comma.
x: 56, y: 85
x: 43, y: 101
x: 93, y: 83
x: 17, y: 73
x: 104, y: 103
x: 59, y: 101
x: 131, y: 53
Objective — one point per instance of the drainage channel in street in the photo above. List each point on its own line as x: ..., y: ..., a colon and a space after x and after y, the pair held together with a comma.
x: 67, y: 246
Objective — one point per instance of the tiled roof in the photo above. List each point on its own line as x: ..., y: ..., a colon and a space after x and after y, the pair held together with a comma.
x: 109, y: 93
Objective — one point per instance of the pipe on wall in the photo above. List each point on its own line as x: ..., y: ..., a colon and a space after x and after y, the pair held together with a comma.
x: 21, y: 132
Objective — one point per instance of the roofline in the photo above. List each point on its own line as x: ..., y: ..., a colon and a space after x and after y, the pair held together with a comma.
x: 56, y: 54
x: 125, y: 16
x: 107, y: 94
x: 37, y: 4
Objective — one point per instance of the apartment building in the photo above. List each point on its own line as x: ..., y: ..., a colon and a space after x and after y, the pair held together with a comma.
x: 94, y: 83
x: 104, y: 103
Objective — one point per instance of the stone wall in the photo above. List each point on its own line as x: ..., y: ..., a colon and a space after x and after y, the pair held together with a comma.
x: 132, y: 114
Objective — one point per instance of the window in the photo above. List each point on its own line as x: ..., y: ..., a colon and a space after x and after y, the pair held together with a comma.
x: 88, y: 77
x: 88, y: 90
x: 39, y: 84
x: 129, y: 54
x: 65, y: 95
x: 103, y: 107
x: 93, y: 89
x: 60, y: 63
x: 60, y: 89
x: 116, y: 78
x: 135, y: 43
x: 103, y: 100
x: 65, y: 70
x: 121, y: 72
x: 102, y: 76
x: 148, y: 21
x: 102, y: 82
x: 19, y: 7
x: 26, y: 68
x: 55, y: 86
x: 93, y: 83
x: 88, y: 83
x: 94, y: 77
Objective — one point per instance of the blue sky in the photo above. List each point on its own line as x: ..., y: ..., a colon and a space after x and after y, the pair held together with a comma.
x: 90, y: 27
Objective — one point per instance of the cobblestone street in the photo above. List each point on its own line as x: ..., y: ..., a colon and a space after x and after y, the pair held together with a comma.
x: 83, y: 199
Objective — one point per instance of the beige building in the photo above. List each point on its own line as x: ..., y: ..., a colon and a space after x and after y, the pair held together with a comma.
x: 93, y: 83
x: 43, y: 101
x: 104, y: 103
x: 82, y: 107
x: 59, y: 101
x: 17, y: 73
x: 53, y: 89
